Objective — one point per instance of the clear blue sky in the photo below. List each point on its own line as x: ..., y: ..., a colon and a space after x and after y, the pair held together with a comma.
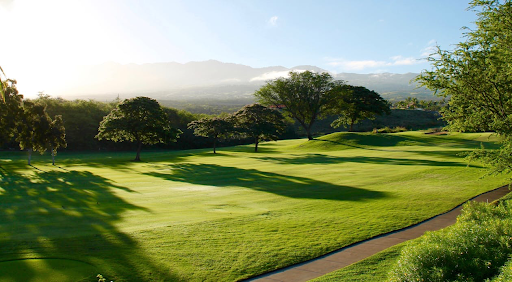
x: 361, y: 36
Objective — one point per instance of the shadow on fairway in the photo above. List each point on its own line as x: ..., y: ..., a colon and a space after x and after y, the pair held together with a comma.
x: 68, y: 215
x: 327, y: 159
x: 374, y: 141
x: 284, y: 185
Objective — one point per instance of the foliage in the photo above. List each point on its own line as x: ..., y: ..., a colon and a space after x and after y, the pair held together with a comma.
x: 11, y: 109
x: 213, y: 127
x: 358, y: 103
x: 81, y: 119
x: 390, y: 130
x: 259, y: 123
x: 414, y: 103
x: 56, y: 136
x: 306, y: 96
x: 140, y: 120
x: 33, y: 128
x: 477, y: 77
x: 474, y: 249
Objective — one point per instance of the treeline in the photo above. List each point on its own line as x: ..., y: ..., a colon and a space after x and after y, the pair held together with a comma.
x: 81, y: 119
x: 306, y: 114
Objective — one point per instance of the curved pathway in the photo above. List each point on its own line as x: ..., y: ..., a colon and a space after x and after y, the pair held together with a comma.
x: 359, y: 251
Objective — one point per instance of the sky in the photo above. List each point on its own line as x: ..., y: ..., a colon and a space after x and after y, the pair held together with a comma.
x: 41, y: 39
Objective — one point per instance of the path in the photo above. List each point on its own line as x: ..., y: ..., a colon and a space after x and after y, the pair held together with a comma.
x: 359, y: 251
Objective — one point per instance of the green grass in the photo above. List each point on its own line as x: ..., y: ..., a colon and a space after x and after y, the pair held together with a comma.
x: 371, y: 269
x: 196, y: 216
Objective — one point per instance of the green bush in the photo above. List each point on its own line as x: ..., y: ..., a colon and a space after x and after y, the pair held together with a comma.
x: 390, y: 130
x: 505, y: 273
x: 474, y: 249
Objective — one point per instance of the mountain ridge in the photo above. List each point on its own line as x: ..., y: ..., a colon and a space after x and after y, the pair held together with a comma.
x: 211, y: 79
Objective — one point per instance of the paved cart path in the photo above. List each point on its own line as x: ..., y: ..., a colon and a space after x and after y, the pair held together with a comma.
x: 359, y: 251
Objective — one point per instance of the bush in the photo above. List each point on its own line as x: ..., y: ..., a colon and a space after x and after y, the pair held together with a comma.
x: 474, y: 249
x: 390, y: 130
x: 505, y: 273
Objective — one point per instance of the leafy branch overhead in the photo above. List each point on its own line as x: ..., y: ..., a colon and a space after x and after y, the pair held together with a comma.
x: 477, y: 77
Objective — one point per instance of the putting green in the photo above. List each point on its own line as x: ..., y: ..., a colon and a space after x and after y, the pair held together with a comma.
x: 43, y: 270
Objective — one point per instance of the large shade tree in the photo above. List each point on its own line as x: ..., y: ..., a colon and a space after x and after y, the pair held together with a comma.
x: 477, y: 77
x: 140, y: 120
x: 356, y: 104
x: 212, y: 127
x: 305, y: 96
x: 259, y: 123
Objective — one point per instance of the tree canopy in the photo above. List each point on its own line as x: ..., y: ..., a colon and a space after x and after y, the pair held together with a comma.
x: 306, y: 96
x: 11, y: 108
x: 358, y: 103
x: 212, y: 127
x: 140, y: 120
x: 259, y: 123
x: 477, y: 77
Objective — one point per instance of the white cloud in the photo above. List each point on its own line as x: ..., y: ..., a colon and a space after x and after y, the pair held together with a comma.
x: 273, y: 75
x: 273, y: 21
x: 401, y: 61
x: 347, y: 65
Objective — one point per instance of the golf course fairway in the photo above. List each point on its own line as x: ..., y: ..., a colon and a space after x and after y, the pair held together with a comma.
x: 197, y: 216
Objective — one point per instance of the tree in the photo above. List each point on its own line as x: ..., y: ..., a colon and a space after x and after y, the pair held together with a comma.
x: 11, y: 109
x: 357, y: 104
x: 259, y: 123
x: 56, y: 136
x: 140, y: 120
x: 33, y: 128
x: 306, y: 96
x: 215, y: 128
x: 477, y: 77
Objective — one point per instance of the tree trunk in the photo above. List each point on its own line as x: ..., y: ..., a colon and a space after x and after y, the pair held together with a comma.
x: 139, y: 147
x: 351, y: 126
x: 214, y: 145
x: 256, y: 146
x: 29, y: 155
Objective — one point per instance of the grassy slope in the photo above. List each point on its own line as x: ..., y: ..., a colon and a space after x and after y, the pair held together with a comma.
x: 192, y: 215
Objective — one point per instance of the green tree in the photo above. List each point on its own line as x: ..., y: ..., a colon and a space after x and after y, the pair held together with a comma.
x: 356, y: 104
x: 212, y: 127
x: 33, y: 128
x: 11, y: 109
x: 306, y: 96
x: 259, y: 123
x: 477, y: 76
x: 140, y: 120
x: 56, y: 136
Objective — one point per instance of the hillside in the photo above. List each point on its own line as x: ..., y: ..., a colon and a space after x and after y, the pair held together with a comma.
x: 208, y: 80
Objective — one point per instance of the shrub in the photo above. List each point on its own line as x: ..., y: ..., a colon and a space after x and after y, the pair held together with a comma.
x: 505, y: 273
x: 474, y: 249
x: 390, y: 130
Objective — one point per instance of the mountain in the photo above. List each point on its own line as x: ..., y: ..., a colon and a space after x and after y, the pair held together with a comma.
x: 208, y: 79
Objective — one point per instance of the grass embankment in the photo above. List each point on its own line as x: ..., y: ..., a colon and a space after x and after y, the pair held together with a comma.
x: 196, y: 216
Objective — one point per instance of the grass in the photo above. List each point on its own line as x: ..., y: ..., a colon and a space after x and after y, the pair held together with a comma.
x: 196, y: 216
x: 371, y: 269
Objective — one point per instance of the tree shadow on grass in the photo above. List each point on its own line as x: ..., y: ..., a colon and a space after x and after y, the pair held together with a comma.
x: 327, y: 159
x: 69, y: 215
x: 284, y: 185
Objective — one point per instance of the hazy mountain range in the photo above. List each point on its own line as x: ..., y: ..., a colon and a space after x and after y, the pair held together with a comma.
x: 209, y: 80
